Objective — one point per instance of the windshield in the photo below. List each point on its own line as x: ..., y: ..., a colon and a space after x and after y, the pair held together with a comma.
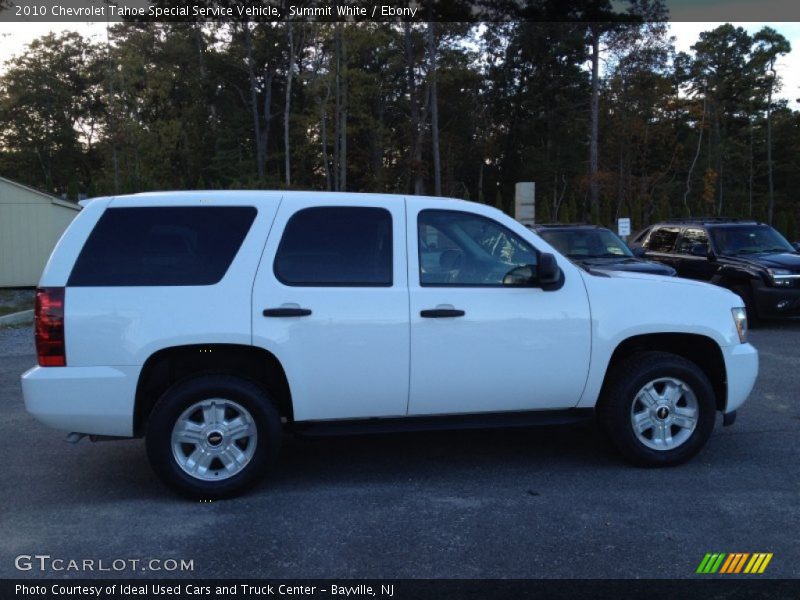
x: 586, y: 243
x: 749, y: 240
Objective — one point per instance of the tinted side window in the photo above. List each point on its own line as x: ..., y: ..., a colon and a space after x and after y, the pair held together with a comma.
x: 464, y: 249
x: 690, y: 238
x: 663, y: 239
x: 162, y: 246
x: 336, y: 246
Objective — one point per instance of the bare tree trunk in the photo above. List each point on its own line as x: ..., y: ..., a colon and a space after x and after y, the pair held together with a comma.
x: 266, y: 113
x: 337, y: 36
x: 201, y: 62
x: 771, y: 197
x: 437, y: 170
x: 594, y: 124
x: 480, y: 182
x: 251, y: 72
x: 323, y: 127
x: 696, y: 156
x: 343, y: 121
x: 720, y: 160
x: 750, y: 178
x: 416, y: 145
x: 287, y: 106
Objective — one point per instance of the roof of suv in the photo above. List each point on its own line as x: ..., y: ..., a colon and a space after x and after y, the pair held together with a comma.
x: 709, y: 221
x: 146, y: 198
x: 537, y: 226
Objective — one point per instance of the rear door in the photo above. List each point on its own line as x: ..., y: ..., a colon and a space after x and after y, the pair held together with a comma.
x: 330, y: 301
x: 689, y: 265
x: 661, y: 245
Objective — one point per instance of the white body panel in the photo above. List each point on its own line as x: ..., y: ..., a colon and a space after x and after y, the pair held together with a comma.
x: 364, y: 351
x: 125, y: 325
x: 625, y: 305
x: 95, y: 400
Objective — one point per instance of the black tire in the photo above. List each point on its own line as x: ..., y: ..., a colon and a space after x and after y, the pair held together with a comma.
x: 185, y: 394
x: 619, y: 394
x: 746, y: 294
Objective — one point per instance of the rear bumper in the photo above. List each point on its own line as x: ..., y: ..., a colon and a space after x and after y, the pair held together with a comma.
x: 94, y: 400
x: 777, y: 302
x: 741, y: 366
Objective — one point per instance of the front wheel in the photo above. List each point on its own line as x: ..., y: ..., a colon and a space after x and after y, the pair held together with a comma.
x: 658, y: 409
x: 213, y: 436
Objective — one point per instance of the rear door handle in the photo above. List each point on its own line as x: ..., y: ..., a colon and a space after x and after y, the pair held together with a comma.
x: 286, y: 312
x: 440, y: 313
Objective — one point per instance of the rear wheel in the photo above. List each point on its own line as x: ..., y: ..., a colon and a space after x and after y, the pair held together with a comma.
x: 658, y: 409
x: 213, y: 436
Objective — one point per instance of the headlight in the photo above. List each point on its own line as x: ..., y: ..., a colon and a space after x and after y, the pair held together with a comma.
x: 740, y: 320
x: 780, y: 277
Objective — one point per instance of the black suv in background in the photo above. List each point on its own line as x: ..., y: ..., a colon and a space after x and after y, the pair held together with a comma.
x: 750, y: 258
x: 596, y: 247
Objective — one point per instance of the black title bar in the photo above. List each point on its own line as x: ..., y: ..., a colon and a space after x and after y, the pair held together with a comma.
x: 22, y: 11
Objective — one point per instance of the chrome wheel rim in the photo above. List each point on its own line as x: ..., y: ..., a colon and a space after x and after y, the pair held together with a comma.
x: 214, y: 439
x: 664, y: 413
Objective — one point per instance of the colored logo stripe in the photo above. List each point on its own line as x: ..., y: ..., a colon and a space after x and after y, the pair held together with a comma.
x: 734, y: 562
x: 711, y: 562
x: 758, y: 563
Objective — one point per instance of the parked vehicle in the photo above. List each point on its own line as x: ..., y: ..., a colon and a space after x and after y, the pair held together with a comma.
x: 598, y: 248
x: 749, y: 258
x: 209, y: 322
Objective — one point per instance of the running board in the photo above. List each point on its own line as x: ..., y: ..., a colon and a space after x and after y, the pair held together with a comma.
x: 442, y: 423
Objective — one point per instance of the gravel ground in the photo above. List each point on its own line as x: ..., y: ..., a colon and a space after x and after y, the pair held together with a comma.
x: 16, y: 341
x: 546, y: 502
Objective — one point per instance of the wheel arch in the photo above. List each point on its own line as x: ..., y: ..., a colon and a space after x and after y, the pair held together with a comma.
x: 699, y: 349
x: 170, y: 365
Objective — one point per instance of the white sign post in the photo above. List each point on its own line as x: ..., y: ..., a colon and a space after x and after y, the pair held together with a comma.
x: 624, y: 227
x: 525, y: 202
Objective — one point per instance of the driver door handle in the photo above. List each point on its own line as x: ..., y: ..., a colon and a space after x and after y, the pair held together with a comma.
x: 286, y: 312
x: 441, y: 313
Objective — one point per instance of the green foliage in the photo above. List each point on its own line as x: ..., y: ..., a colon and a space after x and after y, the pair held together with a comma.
x: 187, y: 106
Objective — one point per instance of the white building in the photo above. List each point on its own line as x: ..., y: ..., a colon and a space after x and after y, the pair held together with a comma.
x: 31, y: 222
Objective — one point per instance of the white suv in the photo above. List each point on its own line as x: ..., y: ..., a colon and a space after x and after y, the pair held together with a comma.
x: 209, y: 322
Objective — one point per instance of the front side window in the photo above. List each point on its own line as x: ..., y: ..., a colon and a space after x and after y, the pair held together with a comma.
x: 663, y: 239
x: 162, y: 246
x: 464, y: 249
x: 336, y: 246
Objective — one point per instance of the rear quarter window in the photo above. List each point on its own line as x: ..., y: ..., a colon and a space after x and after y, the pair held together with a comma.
x: 663, y: 239
x: 162, y: 246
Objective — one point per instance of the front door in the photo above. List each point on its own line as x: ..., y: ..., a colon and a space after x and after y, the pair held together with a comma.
x: 478, y: 345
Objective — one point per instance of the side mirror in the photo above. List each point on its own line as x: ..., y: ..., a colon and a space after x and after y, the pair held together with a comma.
x: 639, y: 251
x: 796, y: 246
x: 699, y: 250
x: 520, y: 276
x: 549, y: 275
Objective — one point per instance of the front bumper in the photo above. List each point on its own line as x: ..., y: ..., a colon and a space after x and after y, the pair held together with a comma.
x: 741, y: 367
x: 93, y: 400
x: 777, y: 302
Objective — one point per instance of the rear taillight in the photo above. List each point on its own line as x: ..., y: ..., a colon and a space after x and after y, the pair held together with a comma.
x: 50, y: 348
